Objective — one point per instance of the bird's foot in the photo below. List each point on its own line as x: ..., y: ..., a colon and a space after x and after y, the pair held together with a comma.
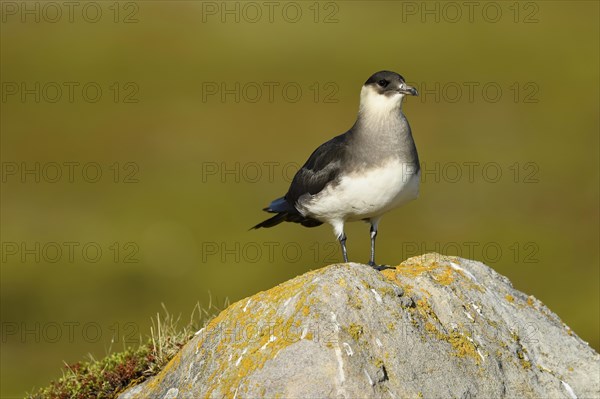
x: 379, y: 267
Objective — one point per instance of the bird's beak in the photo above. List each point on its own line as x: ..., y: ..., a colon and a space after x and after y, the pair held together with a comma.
x: 406, y: 89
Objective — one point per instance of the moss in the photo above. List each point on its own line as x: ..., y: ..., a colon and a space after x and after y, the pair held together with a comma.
x: 100, y: 379
x: 107, y: 377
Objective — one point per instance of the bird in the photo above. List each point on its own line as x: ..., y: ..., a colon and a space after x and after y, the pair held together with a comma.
x: 361, y: 174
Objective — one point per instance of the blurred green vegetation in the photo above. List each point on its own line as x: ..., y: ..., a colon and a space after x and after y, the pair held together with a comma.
x: 187, y: 227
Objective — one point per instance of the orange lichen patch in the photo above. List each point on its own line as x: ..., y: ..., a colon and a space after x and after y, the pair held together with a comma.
x: 509, y: 298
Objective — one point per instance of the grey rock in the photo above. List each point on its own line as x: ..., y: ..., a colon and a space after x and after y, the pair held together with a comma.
x: 433, y: 327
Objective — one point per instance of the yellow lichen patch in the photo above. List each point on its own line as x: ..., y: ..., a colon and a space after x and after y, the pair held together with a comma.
x: 463, y: 346
x: 391, y: 275
x: 355, y: 302
x: 425, y: 308
x: 386, y: 291
x: 355, y: 331
x: 342, y: 283
x: 155, y: 383
x: 530, y: 301
x: 521, y: 351
x: 264, y: 325
x: 430, y: 328
x: 415, y: 270
x: 429, y: 258
x: 509, y: 298
x: 442, y: 274
x: 446, y: 276
x: 526, y: 364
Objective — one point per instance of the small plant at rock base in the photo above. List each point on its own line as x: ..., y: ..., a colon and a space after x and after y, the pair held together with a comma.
x: 107, y: 377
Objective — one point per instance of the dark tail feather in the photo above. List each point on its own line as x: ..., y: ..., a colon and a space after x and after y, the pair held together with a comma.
x: 285, y: 213
x: 274, y: 221
x: 288, y: 217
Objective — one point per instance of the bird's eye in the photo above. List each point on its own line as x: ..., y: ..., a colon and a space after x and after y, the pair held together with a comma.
x: 383, y: 83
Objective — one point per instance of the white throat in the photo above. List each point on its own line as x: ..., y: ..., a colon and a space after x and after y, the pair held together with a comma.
x: 378, y: 110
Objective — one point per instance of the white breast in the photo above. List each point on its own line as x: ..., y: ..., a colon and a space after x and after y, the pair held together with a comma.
x: 364, y: 194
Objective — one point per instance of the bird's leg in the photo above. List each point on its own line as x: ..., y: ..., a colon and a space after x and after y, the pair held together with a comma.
x: 342, y: 239
x: 373, y: 236
x: 374, y: 224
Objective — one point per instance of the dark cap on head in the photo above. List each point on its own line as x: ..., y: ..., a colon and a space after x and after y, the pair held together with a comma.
x: 385, y: 75
x: 390, y: 83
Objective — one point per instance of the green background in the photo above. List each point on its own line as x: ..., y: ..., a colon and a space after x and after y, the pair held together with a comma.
x: 188, y: 228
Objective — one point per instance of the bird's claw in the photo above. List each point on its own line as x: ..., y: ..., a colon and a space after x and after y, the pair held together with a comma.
x: 379, y: 267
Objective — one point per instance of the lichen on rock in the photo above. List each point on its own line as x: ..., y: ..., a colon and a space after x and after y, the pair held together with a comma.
x: 433, y: 326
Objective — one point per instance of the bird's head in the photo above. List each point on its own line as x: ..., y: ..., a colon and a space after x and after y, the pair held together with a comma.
x: 383, y: 93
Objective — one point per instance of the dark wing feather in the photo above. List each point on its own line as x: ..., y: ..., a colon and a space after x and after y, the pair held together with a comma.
x: 322, y: 167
